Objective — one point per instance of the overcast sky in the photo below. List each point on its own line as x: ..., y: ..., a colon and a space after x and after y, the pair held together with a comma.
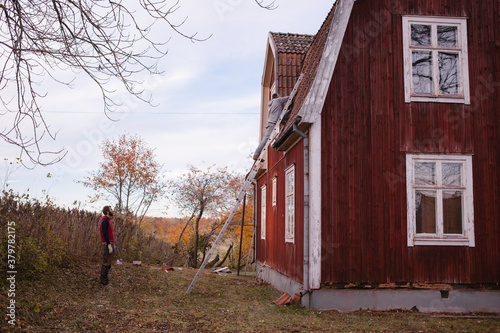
x: 207, y: 103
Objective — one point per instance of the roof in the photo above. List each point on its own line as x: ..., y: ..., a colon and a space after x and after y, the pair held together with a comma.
x: 290, y: 51
x: 311, y: 64
x: 291, y: 43
x: 309, y: 70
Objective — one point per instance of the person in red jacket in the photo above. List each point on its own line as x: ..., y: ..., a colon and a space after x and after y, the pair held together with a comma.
x: 108, y: 240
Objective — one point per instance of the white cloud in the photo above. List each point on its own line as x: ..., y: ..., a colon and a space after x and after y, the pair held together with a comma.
x: 203, y: 81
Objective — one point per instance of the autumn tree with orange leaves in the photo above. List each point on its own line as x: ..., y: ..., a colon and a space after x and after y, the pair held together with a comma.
x: 129, y: 174
x: 209, y: 193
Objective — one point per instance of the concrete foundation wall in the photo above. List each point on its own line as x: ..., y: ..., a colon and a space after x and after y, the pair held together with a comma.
x: 278, y: 280
x: 458, y: 301
x: 423, y: 300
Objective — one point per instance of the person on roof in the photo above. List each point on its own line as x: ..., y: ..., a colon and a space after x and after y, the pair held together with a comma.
x: 275, y: 108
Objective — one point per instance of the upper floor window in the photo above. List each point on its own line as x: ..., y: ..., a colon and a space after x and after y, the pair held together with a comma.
x: 274, y: 183
x: 435, y: 59
x: 290, y: 204
x: 263, y: 203
x: 440, y: 203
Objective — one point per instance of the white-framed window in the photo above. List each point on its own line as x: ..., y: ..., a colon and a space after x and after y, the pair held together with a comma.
x: 440, y: 200
x: 263, y: 201
x: 290, y: 204
x: 274, y: 183
x: 435, y: 59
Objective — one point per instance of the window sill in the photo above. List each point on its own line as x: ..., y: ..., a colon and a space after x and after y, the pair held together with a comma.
x: 441, y: 241
x: 429, y: 99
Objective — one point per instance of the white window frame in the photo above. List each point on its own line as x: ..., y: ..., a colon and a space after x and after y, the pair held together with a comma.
x: 274, y: 182
x: 290, y: 197
x: 263, y: 224
x: 273, y: 87
x: 439, y: 238
x: 463, y: 62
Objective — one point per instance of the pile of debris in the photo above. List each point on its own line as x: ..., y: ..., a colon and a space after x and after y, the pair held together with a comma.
x: 167, y: 268
x: 221, y: 270
x: 286, y: 299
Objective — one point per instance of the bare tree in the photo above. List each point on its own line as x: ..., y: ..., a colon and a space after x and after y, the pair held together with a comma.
x: 108, y: 40
x: 202, y: 193
x: 104, y: 39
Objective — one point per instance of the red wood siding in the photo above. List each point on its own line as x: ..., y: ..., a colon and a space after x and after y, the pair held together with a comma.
x: 286, y: 258
x: 367, y: 129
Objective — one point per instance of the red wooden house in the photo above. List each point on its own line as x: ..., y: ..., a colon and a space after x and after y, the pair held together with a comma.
x: 382, y: 188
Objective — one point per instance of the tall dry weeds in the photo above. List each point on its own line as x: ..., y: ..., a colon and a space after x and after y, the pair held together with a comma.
x: 47, y: 236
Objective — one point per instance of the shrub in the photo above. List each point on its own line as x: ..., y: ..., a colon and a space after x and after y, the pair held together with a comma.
x: 32, y: 261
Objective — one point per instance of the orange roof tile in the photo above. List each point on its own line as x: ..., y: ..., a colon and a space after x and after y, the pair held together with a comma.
x: 291, y: 50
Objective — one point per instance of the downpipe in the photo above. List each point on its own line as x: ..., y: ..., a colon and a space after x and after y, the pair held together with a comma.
x: 306, y: 207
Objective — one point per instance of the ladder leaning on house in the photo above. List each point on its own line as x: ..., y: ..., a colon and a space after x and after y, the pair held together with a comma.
x: 248, y: 181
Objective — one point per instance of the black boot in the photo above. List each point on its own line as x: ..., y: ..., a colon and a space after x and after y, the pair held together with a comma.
x: 104, y: 274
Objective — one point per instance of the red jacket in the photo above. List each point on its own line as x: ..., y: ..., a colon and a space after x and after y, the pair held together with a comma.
x: 106, y: 229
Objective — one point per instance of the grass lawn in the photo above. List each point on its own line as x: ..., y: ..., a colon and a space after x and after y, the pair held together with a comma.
x: 147, y: 299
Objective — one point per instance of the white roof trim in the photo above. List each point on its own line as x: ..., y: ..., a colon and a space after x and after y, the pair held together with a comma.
x: 315, y: 99
x: 270, y: 57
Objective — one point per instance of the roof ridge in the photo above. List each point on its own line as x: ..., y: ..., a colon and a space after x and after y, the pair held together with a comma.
x: 290, y: 33
x: 291, y: 43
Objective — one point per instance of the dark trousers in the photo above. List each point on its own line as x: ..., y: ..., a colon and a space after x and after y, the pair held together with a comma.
x: 262, y: 144
x: 107, y: 258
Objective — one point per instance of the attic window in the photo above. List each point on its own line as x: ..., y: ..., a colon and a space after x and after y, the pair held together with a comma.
x: 435, y: 59
x: 273, y: 88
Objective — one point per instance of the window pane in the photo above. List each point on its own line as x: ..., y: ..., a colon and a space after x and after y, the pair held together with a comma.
x: 422, y: 71
x: 452, y: 174
x: 447, y: 36
x: 274, y: 192
x: 425, y: 173
x: 290, y: 214
x: 290, y: 182
x: 420, y: 34
x: 425, y: 205
x: 263, y: 200
x: 452, y: 212
x: 448, y: 73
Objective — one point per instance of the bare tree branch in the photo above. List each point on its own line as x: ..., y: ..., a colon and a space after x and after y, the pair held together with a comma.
x: 106, y: 40
x: 271, y: 5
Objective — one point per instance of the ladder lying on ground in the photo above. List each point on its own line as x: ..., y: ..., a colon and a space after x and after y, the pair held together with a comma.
x: 248, y: 181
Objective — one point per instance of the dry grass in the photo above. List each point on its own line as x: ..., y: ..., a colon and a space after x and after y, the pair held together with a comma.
x: 147, y: 299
